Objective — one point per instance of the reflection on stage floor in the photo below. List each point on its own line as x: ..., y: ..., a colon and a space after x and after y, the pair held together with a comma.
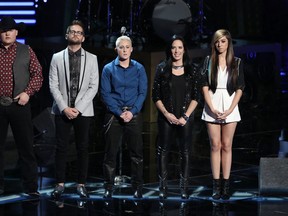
x: 245, y: 199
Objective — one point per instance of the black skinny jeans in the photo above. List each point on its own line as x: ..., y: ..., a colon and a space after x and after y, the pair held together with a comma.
x: 81, y: 127
x: 132, y: 131
x: 168, y: 135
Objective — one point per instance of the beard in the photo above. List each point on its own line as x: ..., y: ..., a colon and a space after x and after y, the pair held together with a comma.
x: 73, y: 42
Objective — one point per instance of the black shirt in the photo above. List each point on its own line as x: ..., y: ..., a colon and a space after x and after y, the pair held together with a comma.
x: 178, y: 94
x: 74, y: 66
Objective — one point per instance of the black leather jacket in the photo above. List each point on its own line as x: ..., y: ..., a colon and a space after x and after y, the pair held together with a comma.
x: 162, y: 86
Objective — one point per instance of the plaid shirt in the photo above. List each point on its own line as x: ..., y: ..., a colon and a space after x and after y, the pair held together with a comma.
x: 7, y: 58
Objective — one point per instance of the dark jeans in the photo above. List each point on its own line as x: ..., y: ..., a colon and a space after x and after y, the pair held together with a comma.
x: 132, y: 131
x: 19, y: 118
x: 168, y: 135
x: 81, y: 127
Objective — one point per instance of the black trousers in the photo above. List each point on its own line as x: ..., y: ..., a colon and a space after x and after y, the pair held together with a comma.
x: 168, y: 135
x: 63, y: 127
x: 19, y: 118
x: 113, y: 139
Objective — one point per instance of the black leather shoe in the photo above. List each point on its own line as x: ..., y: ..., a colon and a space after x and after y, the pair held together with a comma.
x: 138, y: 194
x: 82, y: 192
x: 108, y: 193
x: 57, y: 192
x: 81, y: 204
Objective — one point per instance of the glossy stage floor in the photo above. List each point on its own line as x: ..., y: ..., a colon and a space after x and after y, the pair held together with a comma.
x: 245, y: 199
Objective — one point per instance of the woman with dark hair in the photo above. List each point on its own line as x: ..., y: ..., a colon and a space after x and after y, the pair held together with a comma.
x: 222, y: 89
x: 175, y: 94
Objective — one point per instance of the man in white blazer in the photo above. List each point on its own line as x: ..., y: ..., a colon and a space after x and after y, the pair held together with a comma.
x: 73, y: 82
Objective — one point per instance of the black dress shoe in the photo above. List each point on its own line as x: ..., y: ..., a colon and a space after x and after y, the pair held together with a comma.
x: 57, y: 192
x: 138, y: 194
x: 81, y: 204
x: 108, y: 193
x: 82, y: 192
x: 34, y: 194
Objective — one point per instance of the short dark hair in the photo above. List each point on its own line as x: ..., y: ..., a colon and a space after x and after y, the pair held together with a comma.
x: 75, y: 22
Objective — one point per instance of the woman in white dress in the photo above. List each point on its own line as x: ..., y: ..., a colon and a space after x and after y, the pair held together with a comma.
x: 223, y: 86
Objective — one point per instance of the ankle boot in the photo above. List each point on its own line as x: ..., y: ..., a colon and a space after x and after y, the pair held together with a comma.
x: 163, y: 192
x: 225, y: 189
x: 108, y: 190
x: 138, y: 191
x: 184, y: 187
x: 216, y: 189
x: 163, y: 189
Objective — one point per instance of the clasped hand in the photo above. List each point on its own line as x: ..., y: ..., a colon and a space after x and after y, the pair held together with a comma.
x: 126, y: 116
x: 71, y: 113
x: 173, y: 120
x: 221, y: 115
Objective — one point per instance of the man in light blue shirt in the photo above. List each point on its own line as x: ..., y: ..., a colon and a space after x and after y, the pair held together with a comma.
x: 123, y: 91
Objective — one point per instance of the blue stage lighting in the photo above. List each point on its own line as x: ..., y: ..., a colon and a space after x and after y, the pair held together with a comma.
x: 17, y: 12
x: 11, y: 4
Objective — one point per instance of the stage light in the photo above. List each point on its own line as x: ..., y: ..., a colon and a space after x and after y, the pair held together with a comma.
x: 17, y: 12
x: 9, y: 4
x: 21, y: 40
x: 26, y: 21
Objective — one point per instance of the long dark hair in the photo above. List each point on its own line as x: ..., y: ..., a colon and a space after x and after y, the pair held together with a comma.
x: 230, y: 60
x: 169, y: 57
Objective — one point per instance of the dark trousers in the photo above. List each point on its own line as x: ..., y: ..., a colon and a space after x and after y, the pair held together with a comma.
x: 132, y: 131
x: 168, y: 135
x: 81, y: 127
x: 19, y: 118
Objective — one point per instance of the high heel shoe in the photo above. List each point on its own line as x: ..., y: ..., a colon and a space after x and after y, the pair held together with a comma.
x: 57, y: 192
x: 163, y: 192
x: 225, y: 189
x: 82, y: 192
x: 184, y: 187
x: 216, y: 189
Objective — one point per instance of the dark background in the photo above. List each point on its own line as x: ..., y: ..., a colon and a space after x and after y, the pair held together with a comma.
x: 264, y: 103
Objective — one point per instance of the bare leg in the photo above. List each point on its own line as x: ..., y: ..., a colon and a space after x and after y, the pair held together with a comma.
x: 228, y: 131
x: 214, y: 132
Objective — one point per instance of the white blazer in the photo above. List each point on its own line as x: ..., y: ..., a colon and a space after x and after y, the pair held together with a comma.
x: 59, y: 82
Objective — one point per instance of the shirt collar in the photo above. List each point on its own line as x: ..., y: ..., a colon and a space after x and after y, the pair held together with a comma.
x: 117, y: 62
x: 77, y: 53
x: 10, y: 47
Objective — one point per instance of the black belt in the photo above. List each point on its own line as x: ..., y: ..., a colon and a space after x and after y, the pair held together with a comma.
x: 7, y: 101
x: 126, y: 108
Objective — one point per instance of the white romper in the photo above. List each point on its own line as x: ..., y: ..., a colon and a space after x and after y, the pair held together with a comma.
x: 221, y: 101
